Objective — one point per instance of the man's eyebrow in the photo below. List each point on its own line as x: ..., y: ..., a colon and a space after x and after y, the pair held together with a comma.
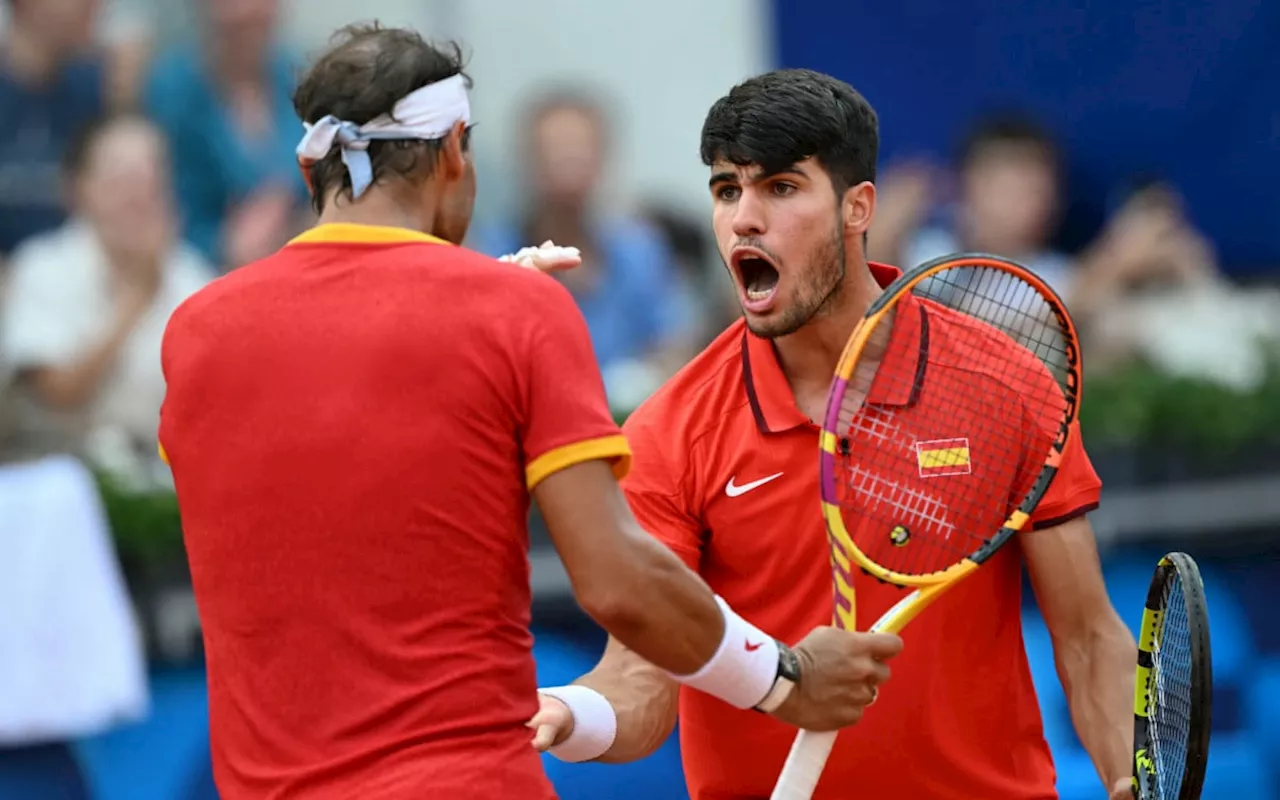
x: 790, y: 169
x: 762, y: 175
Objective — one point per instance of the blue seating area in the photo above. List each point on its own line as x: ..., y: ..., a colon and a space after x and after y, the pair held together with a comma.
x: 1244, y: 754
x: 167, y: 757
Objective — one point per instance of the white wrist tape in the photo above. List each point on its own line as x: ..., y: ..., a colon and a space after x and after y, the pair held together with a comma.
x: 595, y: 724
x: 745, y: 666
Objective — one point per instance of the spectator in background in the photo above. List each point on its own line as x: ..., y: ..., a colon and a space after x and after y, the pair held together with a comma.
x: 52, y: 83
x: 225, y: 108
x: 1007, y: 203
x: 1149, y: 288
x: 628, y: 287
x: 87, y: 303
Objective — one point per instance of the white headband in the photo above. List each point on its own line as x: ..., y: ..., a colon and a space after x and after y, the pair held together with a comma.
x: 426, y: 113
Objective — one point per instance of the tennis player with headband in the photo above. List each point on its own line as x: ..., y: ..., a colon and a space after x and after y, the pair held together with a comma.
x: 355, y: 426
x: 725, y: 474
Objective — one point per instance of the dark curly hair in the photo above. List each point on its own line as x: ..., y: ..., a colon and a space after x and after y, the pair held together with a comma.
x: 364, y: 73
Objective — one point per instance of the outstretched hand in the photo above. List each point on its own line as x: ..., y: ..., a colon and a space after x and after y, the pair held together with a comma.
x: 1122, y: 790
x: 546, y: 257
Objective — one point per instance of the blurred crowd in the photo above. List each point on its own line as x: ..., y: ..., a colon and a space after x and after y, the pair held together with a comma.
x: 134, y: 170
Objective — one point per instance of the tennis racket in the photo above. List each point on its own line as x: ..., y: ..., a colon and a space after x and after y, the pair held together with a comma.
x: 971, y: 346
x: 1173, y: 693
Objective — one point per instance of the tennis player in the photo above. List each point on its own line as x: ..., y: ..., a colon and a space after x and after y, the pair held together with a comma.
x: 725, y: 475
x: 355, y: 426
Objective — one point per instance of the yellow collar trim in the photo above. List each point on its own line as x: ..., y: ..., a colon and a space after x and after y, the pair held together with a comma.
x: 354, y: 233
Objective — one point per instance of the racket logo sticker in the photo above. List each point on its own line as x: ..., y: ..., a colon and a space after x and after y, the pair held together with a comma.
x: 899, y: 535
x: 937, y: 458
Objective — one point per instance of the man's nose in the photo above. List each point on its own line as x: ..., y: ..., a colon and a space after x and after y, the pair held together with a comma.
x: 749, y: 215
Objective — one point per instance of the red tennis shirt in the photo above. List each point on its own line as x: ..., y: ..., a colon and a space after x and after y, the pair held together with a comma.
x: 726, y: 473
x: 354, y: 425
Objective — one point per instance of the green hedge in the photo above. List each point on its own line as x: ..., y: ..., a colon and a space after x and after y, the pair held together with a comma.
x: 1143, y: 407
x: 1139, y: 407
x: 145, y: 524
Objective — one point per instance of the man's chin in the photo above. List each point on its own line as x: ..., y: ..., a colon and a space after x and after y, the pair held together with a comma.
x: 772, y: 326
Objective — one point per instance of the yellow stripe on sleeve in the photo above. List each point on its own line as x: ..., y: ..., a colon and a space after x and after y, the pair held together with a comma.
x: 611, y: 448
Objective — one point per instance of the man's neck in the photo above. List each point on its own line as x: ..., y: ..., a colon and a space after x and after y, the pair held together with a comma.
x: 376, y: 207
x: 810, y: 354
x: 26, y: 57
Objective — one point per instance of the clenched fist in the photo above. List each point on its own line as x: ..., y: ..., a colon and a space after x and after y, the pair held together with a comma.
x: 839, y: 675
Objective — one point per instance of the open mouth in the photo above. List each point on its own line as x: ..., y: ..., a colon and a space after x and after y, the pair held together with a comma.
x: 758, y: 279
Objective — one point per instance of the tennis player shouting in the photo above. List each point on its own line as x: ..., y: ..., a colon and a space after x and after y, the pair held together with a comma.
x: 726, y: 475
x: 355, y: 426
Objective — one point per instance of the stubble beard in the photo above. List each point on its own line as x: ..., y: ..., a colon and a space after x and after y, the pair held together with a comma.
x: 819, y: 294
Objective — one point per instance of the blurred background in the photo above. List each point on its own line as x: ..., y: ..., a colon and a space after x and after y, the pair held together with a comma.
x: 1129, y: 152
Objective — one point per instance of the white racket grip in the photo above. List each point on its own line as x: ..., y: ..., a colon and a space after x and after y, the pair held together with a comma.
x: 804, y: 765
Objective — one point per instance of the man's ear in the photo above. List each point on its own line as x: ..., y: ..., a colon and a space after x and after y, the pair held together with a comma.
x: 453, y: 156
x: 858, y: 208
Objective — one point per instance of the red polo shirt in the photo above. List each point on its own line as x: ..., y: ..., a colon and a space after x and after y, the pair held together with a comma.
x: 726, y: 474
x: 354, y: 425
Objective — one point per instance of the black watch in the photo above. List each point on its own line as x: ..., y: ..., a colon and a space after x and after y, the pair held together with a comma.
x: 784, y: 682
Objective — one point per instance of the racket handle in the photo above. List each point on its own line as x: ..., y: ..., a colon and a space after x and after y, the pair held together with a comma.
x: 804, y: 765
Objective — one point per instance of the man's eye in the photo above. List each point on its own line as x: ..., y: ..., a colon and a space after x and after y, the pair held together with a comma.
x: 727, y: 193
x: 783, y: 189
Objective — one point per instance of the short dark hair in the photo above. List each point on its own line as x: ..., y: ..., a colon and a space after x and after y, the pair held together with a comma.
x: 779, y: 118
x: 1006, y: 127
x: 364, y: 73
x: 75, y: 157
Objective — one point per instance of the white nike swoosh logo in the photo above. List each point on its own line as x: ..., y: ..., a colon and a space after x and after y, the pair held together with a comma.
x: 734, y: 491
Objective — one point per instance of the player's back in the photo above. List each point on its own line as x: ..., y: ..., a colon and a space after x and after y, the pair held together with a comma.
x: 342, y: 423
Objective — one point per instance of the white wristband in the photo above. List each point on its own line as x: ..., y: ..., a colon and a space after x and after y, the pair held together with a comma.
x: 744, y: 669
x: 595, y: 724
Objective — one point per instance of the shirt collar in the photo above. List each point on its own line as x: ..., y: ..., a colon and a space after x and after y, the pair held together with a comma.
x: 353, y: 233
x: 769, y: 392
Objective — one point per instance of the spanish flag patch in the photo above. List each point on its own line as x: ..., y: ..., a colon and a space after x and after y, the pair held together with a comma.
x: 938, y: 457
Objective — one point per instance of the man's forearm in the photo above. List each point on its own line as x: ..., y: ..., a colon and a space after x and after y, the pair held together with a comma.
x: 1097, y: 674
x: 648, y: 599
x: 643, y: 697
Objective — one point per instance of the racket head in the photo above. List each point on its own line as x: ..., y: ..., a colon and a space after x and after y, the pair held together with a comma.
x: 1003, y: 323
x: 1173, y: 689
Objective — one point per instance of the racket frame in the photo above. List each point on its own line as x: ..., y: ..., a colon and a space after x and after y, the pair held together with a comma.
x: 1181, y: 567
x: 809, y: 753
x: 844, y: 552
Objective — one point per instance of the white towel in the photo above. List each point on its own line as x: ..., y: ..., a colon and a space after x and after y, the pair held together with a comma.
x: 71, y: 655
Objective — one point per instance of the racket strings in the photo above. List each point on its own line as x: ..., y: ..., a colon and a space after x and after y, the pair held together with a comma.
x: 1170, y: 712
x: 915, y: 480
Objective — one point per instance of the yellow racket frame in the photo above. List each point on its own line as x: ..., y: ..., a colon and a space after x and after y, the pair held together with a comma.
x: 1182, y: 567
x: 847, y: 554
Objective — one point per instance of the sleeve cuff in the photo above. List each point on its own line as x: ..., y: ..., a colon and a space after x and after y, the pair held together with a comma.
x: 608, y: 448
x: 1079, y: 509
